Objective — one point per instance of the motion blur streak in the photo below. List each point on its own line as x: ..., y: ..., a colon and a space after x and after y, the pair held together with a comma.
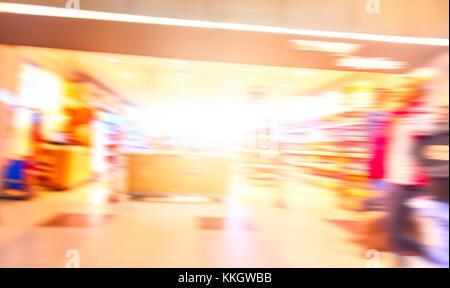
x: 128, y: 143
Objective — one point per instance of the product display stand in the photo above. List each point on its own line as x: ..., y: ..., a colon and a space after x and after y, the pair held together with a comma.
x: 336, y: 159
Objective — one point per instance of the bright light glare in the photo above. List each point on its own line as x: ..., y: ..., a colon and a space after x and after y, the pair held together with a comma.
x: 369, y: 63
x: 285, y: 85
x: 242, y: 69
x: 112, y: 60
x: 323, y: 46
x: 179, y: 64
x: 203, y: 126
x: 126, y: 75
x: 233, y: 82
x: 41, y: 89
x: 304, y: 73
x: 182, y: 75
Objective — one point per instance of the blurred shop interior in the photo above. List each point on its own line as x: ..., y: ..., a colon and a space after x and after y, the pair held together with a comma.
x: 285, y: 130
x: 72, y: 109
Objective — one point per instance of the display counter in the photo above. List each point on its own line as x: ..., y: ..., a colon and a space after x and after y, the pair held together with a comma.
x: 64, y: 166
x: 150, y: 173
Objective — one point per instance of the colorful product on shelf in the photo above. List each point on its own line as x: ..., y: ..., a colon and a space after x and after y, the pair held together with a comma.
x: 333, y: 151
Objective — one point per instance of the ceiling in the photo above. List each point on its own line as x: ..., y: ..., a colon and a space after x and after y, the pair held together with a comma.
x: 152, y: 81
x: 217, y: 63
x: 213, y: 42
x: 400, y: 17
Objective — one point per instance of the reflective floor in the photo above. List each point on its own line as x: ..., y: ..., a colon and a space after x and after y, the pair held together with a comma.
x: 296, y: 226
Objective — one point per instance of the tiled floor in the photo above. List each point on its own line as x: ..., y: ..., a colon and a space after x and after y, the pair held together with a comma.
x: 77, y: 220
x: 223, y: 223
x: 249, y: 229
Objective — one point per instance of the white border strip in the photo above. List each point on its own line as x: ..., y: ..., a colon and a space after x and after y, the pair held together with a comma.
x: 106, y: 16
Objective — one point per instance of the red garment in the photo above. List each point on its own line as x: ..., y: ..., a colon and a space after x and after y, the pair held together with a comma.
x: 420, y: 178
x: 379, y: 143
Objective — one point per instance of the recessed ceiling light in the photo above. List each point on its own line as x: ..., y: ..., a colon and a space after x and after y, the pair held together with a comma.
x: 182, y: 75
x: 369, y: 63
x: 142, y: 94
x: 285, y: 85
x: 179, y: 64
x: 304, y: 73
x: 126, y: 75
x: 339, y: 48
x: 242, y: 69
x: 233, y: 82
x: 112, y: 60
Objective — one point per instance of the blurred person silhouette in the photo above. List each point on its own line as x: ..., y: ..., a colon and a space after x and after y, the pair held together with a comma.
x: 432, y: 152
x: 405, y: 178
x: 378, y: 129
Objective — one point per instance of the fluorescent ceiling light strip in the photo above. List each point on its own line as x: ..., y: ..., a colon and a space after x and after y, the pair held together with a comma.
x: 85, y: 14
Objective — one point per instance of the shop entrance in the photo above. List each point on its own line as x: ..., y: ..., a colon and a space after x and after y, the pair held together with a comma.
x: 152, y: 126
